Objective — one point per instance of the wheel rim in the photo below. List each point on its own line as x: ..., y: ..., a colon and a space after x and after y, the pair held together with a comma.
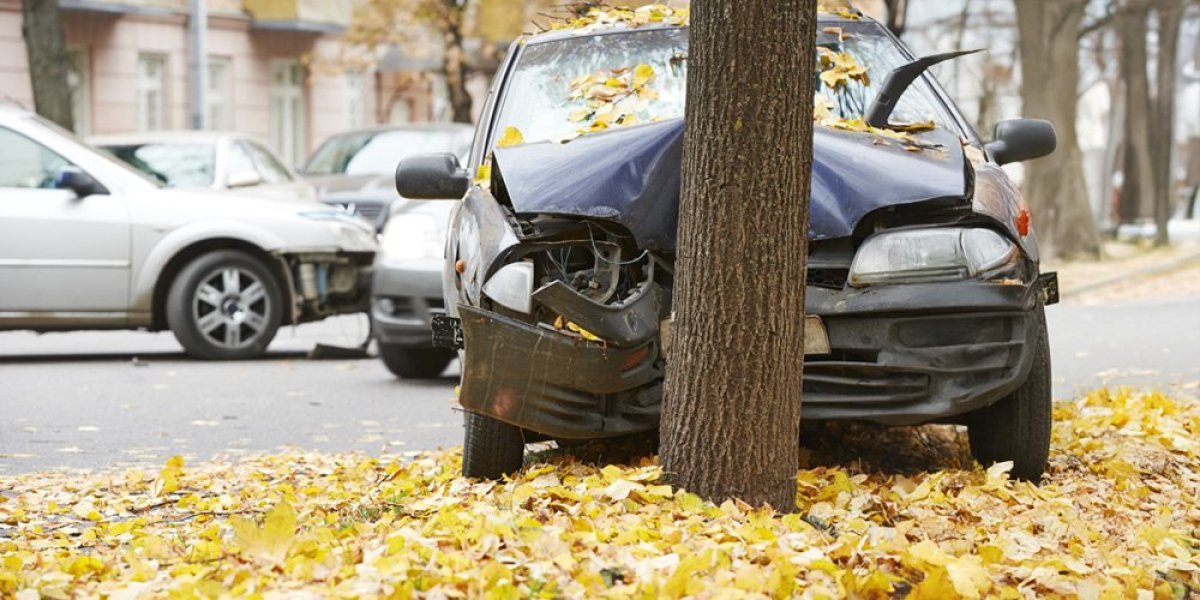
x: 230, y: 308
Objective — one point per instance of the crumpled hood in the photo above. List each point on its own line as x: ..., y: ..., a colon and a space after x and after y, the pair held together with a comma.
x: 632, y: 176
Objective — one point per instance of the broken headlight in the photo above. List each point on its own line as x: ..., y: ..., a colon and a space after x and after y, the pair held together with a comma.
x: 926, y: 255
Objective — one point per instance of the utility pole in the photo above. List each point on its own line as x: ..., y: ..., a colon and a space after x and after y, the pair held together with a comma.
x: 198, y: 63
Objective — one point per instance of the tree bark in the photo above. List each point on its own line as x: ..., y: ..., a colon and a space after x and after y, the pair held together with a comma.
x: 731, y: 412
x: 1170, y: 14
x: 454, y: 64
x: 1137, y: 184
x: 46, y: 48
x: 1054, y: 186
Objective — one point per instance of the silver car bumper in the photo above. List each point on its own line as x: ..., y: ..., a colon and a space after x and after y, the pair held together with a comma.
x: 404, y: 299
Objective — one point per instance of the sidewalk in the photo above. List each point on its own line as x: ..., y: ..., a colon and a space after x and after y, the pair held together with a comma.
x: 1130, y: 270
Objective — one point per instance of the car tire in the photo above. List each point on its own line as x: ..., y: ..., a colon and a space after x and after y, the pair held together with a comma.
x: 225, y: 305
x: 1018, y: 427
x: 415, y: 363
x: 491, y: 448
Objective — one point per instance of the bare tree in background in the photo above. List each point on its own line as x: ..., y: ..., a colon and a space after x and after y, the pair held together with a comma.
x: 897, y: 16
x: 1054, y: 186
x: 46, y: 48
x: 731, y: 411
x: 1137, y: 187
x: 1162, y: 139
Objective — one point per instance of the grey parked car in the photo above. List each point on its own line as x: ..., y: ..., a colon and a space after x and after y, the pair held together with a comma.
x: 354, y: 170
x: 87, y: 242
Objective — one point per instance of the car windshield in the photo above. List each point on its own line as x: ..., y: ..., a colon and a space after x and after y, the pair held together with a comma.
x: 377, y: 153
x: 565, y: 87
x: 176, y: 165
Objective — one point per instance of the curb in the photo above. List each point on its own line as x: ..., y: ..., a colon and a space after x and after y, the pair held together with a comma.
x: 1180, y: 262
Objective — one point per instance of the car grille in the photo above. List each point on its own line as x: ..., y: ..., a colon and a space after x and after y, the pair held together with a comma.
x: 827, y: 278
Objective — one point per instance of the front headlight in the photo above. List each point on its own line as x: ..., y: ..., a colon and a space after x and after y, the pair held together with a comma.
x: 924, y: 255
x: 412, y: 236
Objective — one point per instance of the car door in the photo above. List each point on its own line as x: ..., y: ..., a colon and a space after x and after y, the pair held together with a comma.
x: 58, y: 253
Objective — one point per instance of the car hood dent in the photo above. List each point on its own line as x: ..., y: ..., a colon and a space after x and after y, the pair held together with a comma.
x: 632, y: 176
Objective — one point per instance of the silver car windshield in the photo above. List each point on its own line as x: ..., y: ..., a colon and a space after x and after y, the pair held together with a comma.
x: 377, y: 153
x: 544, y: 100
x: 175, y: 165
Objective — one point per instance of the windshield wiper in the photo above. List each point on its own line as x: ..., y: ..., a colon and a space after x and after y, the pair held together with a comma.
x: 897, y: 83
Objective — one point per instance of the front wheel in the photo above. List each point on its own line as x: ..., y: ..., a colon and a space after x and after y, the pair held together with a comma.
x: 1018, y: 427
x: 415, y: 363
x: 491, y: 448
x: 225, y: 305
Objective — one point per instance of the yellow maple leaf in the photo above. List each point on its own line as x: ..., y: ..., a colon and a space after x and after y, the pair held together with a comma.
x: 642, y: 74
x: 270, y: 541
x: 511, y: 137
x: 969, y: 576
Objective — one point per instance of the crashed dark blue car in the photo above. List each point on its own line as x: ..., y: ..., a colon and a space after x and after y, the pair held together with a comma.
x: 923, y: 287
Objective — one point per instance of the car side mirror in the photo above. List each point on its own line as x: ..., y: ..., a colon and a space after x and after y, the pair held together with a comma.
x: 77, y: 180
x: 431, y: 177
x: 241, y: 179
x: 1017, y: 140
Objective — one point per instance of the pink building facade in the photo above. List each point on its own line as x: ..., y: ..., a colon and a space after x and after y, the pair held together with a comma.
x: 129, y: 72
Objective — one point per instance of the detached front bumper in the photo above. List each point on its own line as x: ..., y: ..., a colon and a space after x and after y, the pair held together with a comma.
x: 899, y: 355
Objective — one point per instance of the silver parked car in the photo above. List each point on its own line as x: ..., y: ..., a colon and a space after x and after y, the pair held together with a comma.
x: 355, y: 170
x: 407, y: 289
x: 212, y: 160
x: 86, y: 242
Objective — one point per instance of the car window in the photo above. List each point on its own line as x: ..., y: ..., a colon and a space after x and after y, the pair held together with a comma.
x: 239, y: 161
x: 270, y: 168
x: 25, y: 163
x: 377, y: 153
x: 175, y: 165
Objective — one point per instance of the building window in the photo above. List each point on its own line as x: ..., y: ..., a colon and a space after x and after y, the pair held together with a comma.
x: 287, y: 110
x: 79, y: 80
x: 356, y: 109
x: 151, y: 91
x: 220, y: 92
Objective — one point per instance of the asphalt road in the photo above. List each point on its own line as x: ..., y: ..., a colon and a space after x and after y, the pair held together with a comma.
x: 99, y: 399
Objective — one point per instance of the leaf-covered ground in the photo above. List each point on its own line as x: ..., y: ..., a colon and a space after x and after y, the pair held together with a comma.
x: 1118, y: 516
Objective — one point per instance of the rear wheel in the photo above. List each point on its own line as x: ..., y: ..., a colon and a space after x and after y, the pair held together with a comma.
x: 225, y: 305
x: 491, y: 448
x: 415, y: 363
x: 1018, y: 427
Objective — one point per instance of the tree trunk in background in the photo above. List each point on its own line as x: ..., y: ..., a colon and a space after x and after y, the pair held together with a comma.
x: 454, y: 64
x: 731, y: 412
x: 46, y: 49
x: 897, y: 16
x: 1054, y: 185
x: 1137, y: 185
x: 1170, y: 14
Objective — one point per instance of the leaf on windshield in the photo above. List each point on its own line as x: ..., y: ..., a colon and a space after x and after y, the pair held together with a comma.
x: 611, y: 98
x: 841, y: 8
x: 601, y: 17
x: 512, y: 137
x: 839, y: 68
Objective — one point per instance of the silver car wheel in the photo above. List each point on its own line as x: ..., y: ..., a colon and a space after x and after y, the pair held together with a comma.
x: 230, y: 307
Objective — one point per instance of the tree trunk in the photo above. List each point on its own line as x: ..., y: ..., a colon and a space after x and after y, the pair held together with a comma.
x: 1054, y: 186
x: 897, y: 16
x: 46, y: 48
x: 454, y: 64
x: 1137, y: 187
x: 731, y: 413
x: 1170, y: 14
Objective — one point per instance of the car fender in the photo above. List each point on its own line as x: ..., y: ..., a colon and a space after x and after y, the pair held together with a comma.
x: 147, y: 271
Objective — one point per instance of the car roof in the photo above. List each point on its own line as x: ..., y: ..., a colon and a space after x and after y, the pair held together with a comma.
x: 431, y: 126
x: 183, y: 136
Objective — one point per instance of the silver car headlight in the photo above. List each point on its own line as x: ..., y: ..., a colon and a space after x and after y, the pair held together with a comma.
x: 408, y: 236
x: 924, y: 255
x: 512, y: 286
